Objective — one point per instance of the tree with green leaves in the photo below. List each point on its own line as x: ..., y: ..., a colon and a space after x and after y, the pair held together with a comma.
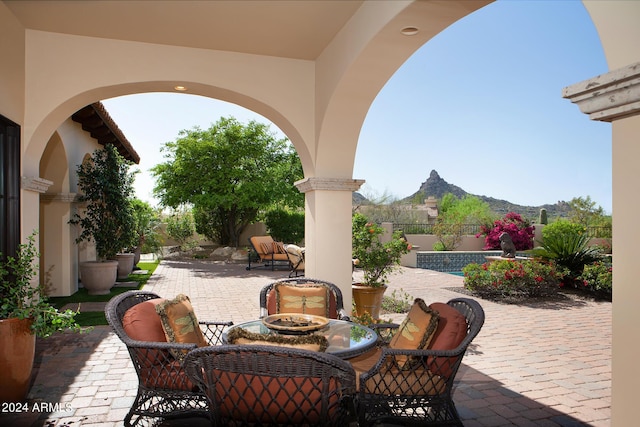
x: 147, y: 227
x: 229, y: 174
x: 453, y: 214
x: 587, y: 213
x: 181, y: 227
x: 584, y: 211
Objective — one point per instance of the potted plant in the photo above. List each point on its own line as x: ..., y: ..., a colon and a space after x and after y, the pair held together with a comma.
x: 376, y: 259
x: 24, y: 314
x: 107, y: 219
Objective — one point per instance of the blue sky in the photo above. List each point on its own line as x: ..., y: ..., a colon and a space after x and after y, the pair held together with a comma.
x: 480, y: 103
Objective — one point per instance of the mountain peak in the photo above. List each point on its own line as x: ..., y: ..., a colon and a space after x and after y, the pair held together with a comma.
x: 437, y: 187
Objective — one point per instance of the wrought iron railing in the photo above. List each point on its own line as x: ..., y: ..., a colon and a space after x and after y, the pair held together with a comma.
x: 473, y: 229
x: 600, y: 232
x: 464, y: 229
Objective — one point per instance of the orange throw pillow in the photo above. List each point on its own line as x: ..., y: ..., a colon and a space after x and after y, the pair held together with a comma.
x: 180, y: 323
x: 452, y: 327
x: 452, y: 330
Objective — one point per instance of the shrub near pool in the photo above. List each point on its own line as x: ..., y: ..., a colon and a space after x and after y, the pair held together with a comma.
x: 511, y: 279
x: 597, y: 279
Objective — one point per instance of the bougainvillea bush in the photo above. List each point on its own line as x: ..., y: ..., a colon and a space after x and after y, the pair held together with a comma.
x: 512, y: 279
x: 597, y: 279
x: 521, y: 232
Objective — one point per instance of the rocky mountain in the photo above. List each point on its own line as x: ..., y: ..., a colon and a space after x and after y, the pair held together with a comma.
x: 437, y: 187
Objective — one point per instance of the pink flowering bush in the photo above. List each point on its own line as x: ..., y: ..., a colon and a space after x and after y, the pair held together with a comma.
x: 521, y: 232
x: 512, y: 279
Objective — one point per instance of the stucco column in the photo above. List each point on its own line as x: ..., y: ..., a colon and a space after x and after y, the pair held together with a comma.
x: 328, y: 230
x: 615, y: 97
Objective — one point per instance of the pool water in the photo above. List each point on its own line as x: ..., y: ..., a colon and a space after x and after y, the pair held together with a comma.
x: 456, y: 273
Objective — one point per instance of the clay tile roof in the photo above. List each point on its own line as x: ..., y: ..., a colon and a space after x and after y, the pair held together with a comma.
x: 96, y: 120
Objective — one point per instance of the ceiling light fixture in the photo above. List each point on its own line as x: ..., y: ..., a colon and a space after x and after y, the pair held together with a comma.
x: 409, y: 31
x: 180, y: 88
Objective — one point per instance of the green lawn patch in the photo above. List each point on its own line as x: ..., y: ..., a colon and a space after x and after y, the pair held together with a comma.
x: 91, y: 318
x: 94, y: 318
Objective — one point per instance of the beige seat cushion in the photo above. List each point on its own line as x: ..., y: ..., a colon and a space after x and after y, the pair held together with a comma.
x: 305, y: 298
x: 417, y: 329
x: 396, y: 381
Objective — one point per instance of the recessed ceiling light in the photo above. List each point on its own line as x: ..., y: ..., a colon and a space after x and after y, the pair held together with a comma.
x: 180, y: 88
x: 409, y: 31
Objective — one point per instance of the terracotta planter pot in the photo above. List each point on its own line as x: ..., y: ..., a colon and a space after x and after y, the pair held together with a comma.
x: 367, y: 298
x: 98, y: 277
x: 17, y: 350
x: 125, y: 265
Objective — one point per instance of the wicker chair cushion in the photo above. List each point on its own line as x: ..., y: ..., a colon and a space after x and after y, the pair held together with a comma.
x: 169, y: 376
x: 305, y: 342
x: 180, y: 323
x: 307, y: 298
x: 451, y: 331
x: 393, y: 379
x: 452, y: 328
x: 271, y: 400
x: 416, y: 330
x: 142, y: 323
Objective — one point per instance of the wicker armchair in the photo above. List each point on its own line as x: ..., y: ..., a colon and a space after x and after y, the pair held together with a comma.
x: 268, y: 304
x: 414, y: 386
x: 164, y: 390
x: 271, y: 385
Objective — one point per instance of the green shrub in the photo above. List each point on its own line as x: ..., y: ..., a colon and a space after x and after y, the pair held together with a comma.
x: 285, y: 225
x: 398, y: 302
x: 597, y: 279
x: 512, y: 279
x: 562, y: 227
x: 570, y: 251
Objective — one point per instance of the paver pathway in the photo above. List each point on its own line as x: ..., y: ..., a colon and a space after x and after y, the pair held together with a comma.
x: 538, y: 364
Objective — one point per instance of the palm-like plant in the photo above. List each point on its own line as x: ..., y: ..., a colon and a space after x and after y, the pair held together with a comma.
x: 568, y: 250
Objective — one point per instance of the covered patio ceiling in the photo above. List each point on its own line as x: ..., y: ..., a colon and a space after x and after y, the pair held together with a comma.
x: 289, y: 29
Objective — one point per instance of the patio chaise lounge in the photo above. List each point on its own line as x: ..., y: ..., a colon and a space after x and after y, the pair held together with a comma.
x: 266, y: 251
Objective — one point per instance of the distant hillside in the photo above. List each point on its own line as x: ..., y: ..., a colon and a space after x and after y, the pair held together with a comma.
x: 437, y: 187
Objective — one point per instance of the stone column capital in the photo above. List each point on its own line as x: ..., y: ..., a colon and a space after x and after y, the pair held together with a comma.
x: 330, y: 184
x: 608, y: 97
x: 59, y: 197
x: 35, y: 184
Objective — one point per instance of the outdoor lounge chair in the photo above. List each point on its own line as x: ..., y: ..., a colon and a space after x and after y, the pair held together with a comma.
x: 402, y: 386
x: 266, y: 251
x: 272, y: 385
x: 164, y: 390
x: 302, y: 295
x: 296, y: 258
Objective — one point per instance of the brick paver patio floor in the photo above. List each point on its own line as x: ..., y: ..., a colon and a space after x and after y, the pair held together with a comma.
x: 536, y: 364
